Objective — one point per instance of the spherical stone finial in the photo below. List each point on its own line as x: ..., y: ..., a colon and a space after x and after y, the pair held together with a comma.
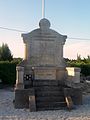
x: 44, y: 24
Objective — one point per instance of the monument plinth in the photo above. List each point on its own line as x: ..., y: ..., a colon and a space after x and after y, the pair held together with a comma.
x: 44, y: 70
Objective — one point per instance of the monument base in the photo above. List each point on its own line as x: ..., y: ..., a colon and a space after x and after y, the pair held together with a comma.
x: 19, y: 86
x: 25, y: 98
x: 75, y: 94
x: 49, y: 73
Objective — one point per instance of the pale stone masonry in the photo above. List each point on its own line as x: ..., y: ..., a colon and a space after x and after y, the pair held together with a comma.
x: 44, y: 53
x: 43, y: 74
x: 73, y: 74
x: 19, y: 79
x: 44, y: 46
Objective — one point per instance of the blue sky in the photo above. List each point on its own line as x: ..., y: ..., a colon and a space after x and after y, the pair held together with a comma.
x: 69, y: 17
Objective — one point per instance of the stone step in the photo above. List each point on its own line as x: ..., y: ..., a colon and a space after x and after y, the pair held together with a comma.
x: 49, y: 93
x: 45, y: 83
x: 50, y: 99
x: 51, y: 104
x: 48, y: 88
x: 50, y: 108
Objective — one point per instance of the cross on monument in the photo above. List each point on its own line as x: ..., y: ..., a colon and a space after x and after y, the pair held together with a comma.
x: 43, y: 8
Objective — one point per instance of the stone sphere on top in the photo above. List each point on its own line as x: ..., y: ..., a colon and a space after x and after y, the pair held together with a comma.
x: 44, y: 24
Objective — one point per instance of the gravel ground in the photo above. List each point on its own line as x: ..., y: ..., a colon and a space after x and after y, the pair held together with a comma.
x: 8, y: 112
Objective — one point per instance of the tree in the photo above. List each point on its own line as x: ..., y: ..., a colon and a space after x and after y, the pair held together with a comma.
x: 78, y: 57
x: 5, y: 53
x: 88, y: 57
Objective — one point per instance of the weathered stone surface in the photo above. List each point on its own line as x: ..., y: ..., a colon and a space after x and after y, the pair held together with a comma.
x: 69, y: 102
x: 61, y: 74
x: 37, y: 83
x: 50, y: 98
x: 50, y: 73
x: 75, y: 94
x: 44, y: 46
x: 32, y: 103
x: 73, y: 74
x: 45, y: 73
x: 49, y: 95
x: 22, y: 97
x: 19, y: 78
x: 45, y: 63
x: 44, y: 53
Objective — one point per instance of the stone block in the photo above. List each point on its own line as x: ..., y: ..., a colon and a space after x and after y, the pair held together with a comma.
x: 22, y: 98
x: 67, y: 91
x: 37, y: 83
x: 19, y: 86
x: 73, y: 74
x: 75, y: 94
x: 61, y: 73
x: 59, y: 98
x: 32, y: 104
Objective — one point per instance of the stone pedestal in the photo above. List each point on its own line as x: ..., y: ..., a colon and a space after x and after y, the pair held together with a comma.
x: 19, y: 80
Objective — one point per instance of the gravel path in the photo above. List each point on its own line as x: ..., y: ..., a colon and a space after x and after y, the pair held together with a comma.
x: 8, y: 112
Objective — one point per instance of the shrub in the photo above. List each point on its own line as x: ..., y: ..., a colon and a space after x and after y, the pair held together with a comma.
x: 8, y: 72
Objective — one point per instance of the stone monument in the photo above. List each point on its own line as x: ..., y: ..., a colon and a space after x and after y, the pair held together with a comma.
x: 43, y: 73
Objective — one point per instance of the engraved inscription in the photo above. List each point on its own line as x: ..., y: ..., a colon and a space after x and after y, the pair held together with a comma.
x: 43, y: 52
x: 45, y: 74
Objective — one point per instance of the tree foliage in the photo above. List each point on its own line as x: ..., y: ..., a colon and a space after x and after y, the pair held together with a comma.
x: 5, y: 53
x: 8, y: 71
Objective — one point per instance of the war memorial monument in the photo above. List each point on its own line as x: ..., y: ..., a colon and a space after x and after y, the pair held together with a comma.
x: 44, y: 82
x: 43, y: 79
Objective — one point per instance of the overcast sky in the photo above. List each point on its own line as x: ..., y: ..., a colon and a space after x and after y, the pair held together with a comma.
x: 68, y: 17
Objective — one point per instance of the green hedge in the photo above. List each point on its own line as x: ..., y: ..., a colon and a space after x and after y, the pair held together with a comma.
x: 8, y: 72
x: 85, y: 69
